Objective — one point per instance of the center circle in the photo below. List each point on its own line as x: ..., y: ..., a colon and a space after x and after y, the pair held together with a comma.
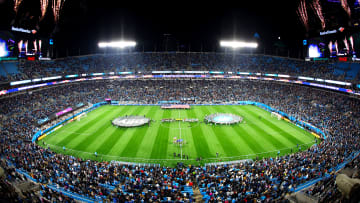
x: 223, y: 119
x: 130, y: 121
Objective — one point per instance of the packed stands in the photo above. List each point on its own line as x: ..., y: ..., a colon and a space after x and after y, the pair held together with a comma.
x: 147, y: 62
x: 270, y: 179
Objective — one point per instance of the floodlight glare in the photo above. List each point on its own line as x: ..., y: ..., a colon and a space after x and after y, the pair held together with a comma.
x: 238, y: 44
x: 117, y: 44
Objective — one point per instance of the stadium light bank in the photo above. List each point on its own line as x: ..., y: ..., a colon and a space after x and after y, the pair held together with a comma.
x: 117, y: 44
x: 238, y: 44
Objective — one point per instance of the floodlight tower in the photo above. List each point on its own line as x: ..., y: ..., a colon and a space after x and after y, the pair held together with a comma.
x: 238, y: 44
x: 117, y: 44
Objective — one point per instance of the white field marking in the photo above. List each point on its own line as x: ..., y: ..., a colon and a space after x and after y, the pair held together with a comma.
x: 233, y: 158
x: 180, y: 139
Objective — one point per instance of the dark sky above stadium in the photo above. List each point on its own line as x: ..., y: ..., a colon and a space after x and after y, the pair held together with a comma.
x: 201, y: 24
x: 195, y: 25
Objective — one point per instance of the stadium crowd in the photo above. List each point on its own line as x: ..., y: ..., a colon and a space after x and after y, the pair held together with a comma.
x: 266, y: 179
x: 147, y: 62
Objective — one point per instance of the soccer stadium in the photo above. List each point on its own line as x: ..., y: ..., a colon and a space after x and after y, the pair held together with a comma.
x: 92, y: 111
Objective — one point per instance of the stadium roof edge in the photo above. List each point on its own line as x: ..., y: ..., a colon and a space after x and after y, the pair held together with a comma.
x: 178, y: 52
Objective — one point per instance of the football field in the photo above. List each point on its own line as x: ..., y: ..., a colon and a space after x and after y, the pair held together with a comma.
x: 259, y: 135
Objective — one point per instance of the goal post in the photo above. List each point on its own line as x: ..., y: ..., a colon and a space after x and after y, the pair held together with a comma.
x: 276, y: 115
x: 78, y: 118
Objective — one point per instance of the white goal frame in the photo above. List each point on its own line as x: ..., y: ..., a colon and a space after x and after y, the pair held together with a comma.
x: 276, y: 115
x: 81, y: 116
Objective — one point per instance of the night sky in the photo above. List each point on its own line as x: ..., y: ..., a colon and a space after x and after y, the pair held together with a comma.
x: 187, y: 25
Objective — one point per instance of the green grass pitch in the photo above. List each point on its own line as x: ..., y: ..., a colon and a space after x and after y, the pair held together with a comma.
x: 259, y: 136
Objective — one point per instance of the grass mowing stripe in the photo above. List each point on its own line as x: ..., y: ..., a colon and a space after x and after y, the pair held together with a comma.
x: 134, y: 143
x: 101, y: 126
x: 116, y: 145
x: 254, y: 135
x: 79, y: 127
x: 255, y: 125
x: 201, y: 140
x: 247, y: 138
x: 108, y: 133
x: 293, y: 129
x: 81, y: 130
x: 161, y: 140
x: 209, y: 135
x: 189, y: 146
x: 147, y: 144
x: 68, y: 129
x: 242, y: 146
x: 200, y: 143
x: 305, y: 134
x: 174, y: 131
x: 283, y: 133
x: 228, y: 146
x: 251, y: 133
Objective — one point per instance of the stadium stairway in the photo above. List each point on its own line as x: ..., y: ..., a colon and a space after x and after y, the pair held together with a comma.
x: 198, y: 197
x: 349, y: 70
x: 188, y: 189
x: 11, y: 68
x: 3, y: 71
x: 71, y: 194
x: 340, y: 69
x: 301, y: 197
x: 354, y: 71
x: 205, y: 197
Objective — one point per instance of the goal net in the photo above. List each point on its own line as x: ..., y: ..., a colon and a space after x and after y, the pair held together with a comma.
x: 276, y: 115
x: 78, y: 118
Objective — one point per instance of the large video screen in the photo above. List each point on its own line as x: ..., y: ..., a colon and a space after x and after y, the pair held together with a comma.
x: 335, y: 43
x: 17, y: 44
x: 7, y: 44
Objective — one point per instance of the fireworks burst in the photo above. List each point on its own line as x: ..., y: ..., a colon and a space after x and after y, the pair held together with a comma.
x: 330, y: 47
x: 317, y: 8
x: 336, y: 47
x: 346, y: 45
x: 16, y: 5
x: 351, y: 40
x: 56, y: 7
x: 302, y: 12
x: 20, y: 44
x: 346, y: 7
x: 43, y: 7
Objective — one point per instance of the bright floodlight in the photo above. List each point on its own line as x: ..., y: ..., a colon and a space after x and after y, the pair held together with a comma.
x: 118, y: 44
x: 238, y: 44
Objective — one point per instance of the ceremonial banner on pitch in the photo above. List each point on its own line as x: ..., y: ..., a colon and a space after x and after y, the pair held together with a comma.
x: 176, y: 106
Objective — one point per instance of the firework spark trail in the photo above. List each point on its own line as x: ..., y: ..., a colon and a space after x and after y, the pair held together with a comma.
x: 317, y: 8
x: 346, y: 7
x: 20, y: 44
x: 302, y: 12
x: 16, y: 5
x: 26, y: 47
x: 336, y: 48
x: 43, y: 6
x: 35, y: 46
x: 56, y: 7
x: 330, y: 47
x: 351, y: 39
x: 346, y: 45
